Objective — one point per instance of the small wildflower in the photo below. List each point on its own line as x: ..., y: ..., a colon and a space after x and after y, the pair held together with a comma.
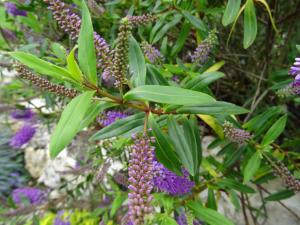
x: 140, y: 173
x: 35, y: 196
x: 109, y: 117
x: 12, y: 9
x: 152, y: 53
x: 202, y: 52
x: 235, y: 134
x: 22, y: 136
x: 167, y: 181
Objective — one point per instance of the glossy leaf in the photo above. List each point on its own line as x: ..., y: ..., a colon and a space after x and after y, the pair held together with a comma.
x: 70, y: 122
x: 168, y: 95
x: 252, y: 166
x: 250, y: 24
x: 181, y: 145
x: 212, y: 122
x: 86, y: 48
x: 274, y: 132
x: 154, y: 77
x: 231, y: 11
x: 203, y: 80
x: 209, y: 216
x: 194, y: 20
x: 116, y: 204
x: 137, y: 65
x: 213, y: 108
x: 41, y: 66
x: 233, y: 184
x: 280, y: 195
x: 119, y: 127
x: 73, y: 66
x: 211, y: 200
x: 164, y: 152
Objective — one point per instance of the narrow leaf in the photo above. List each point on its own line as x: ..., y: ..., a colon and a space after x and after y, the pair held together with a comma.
x: 252, y: 166
x: 137, y: 64
x: 69, y: 122
x: 210, y: 216
x: 73, y: 66
x: 233, y: 184
x: 194, y: 20
x: 250, y: 24
x: 231, y: 11
x: 86, y: 48
x: 280, y: 195
x: 275, y: 130
x: 167, y: 94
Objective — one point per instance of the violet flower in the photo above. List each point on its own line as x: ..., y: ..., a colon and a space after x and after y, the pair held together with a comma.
x: 181, y: 219
x: 35, y: 196
x: 202, y: 52
x: 22, y: 136
x: 22, y: 114
x: 152, y: 53
x: 59, y: 220
x: 140, y: 173
x: 295, y: 69
x: 109, y: 117
x: 12, y: 9
x: 167, y: 181
x: 8, y: 35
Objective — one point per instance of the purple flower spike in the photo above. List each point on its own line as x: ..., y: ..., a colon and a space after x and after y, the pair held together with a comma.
x: 152, y: 53
x: 58, y: 221
x: 167, y: 181
x: 22, y: 136
x: 181, y: 219
x: 140, y: 173
x: 35, y: 196
x: 295, y: 69
x: 13, y: 10
x: 109, y: 117
x: 20, y: 114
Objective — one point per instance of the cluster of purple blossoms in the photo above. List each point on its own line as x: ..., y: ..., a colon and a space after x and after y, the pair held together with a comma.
x: 152, y: 53
x: 22, y: 136
x: 34, y: 196
x: 8, y: 35
x: 167, y: 181
x: 202, y: 52
x: 141, y: 20
x: 294, y: 87
x: 70, y: 23
x: 236, y: 135
x: 181, y: 219
x: 140, y: 174
x: 108, y: 117
x: 22, y: 114
x: 12, y: 9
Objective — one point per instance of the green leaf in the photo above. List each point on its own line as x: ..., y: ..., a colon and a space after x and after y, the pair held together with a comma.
x: 203, y: 80
x: 210, y: 216
x: 162, y: 32
x: 41, y: 66
x: 116, y: 204
x: 137, y: 63
x: 194, y: 20
x: 154, y: 77
x: 167, y: 220
x: 70, y: 122
x: 211, y: 200
x: 120, y: 127
x: 264, y: 2
x: 274, y: 132
x: 184, y: 33
x: 252, y: 166
x: 181, y: 145
x: 93, y: 111
x: 164, y: 152
x: 59, y: 51
x: 213, y: 108
x: 168, y: 95
x: 280, y: 195
x: 250, y: 24
x: 86, y: 48
x: 233, y: 184
x: 73, y: 66
x: 231, y: 11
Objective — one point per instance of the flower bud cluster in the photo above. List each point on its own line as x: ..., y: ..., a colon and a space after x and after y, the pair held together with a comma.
x: 141, y: 20
x: 152, y: 53
x: 236, y: 135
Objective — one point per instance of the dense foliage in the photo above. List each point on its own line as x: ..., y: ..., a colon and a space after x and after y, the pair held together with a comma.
x: 135, y: 87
